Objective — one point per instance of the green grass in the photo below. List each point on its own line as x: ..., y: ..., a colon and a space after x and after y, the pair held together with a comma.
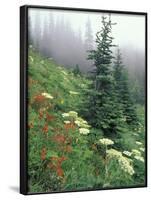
x: 60, y: 157
x: 56, y: 80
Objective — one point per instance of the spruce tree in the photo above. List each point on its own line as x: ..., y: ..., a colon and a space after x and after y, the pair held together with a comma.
x: 102, y: 110
x: 123, y: 91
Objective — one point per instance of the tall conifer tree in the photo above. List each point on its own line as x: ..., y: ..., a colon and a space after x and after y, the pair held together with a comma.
x: 102, y: 109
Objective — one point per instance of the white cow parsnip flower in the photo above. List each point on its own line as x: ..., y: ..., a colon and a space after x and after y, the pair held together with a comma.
x: 138, y: 143
x: 106, y: 141
x: 67, y: 122
x: 127, y: 153
x: 84, y: 131
x: 81, y: 123
x: 65, y: 115
x: 112, y: 153
x: 124, y: 163
x: 73, y: 92
x: 78, y: 123
x: 142, y: 149
x: 47, y: 95
x: 140, y: 158
x: 135, y: 152
x: 73, y: 114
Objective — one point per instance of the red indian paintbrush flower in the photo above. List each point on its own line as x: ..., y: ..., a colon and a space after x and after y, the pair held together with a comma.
x: 40, y: 114
x: 43, y: 153
x: 56, y: 163
x: 39, y: 98
x: 59, y: 138
x: 69, y: 126
x: 49, y: 117
x: 45, y: 128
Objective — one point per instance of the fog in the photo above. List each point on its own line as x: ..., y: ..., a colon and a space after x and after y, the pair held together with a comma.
x: 66, y: 36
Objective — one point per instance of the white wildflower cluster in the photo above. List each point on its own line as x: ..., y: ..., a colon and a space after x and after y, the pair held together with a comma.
x: 84, y: 131
x: 106, y: 141
x: 46, y: 95
x: 127, y: 153
x: 67, y: 122
x: 142, y: 149
x: 65, y: 115
x: 140, y: 158
x: 70, y: 114
x: 81, y: 123
x: 73, y: 114
x: 138, y: 143
x: 135, y: 152
x: 73, y: 92
x: 112, y: 153
x: 125, y: 163
x: 137, y: 155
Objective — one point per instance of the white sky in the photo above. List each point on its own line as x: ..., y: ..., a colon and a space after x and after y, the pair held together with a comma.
x: 128, y: 32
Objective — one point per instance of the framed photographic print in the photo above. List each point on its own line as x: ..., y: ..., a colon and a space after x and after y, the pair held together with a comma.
x: 83, y: 99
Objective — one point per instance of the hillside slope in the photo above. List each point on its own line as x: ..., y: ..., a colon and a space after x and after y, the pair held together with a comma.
x: 64, y: 151
x: 56, y: 80
x: 55, y: 141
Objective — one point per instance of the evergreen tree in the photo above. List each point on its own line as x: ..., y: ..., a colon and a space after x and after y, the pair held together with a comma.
x: 123, y: 91
x: 76, y: 70
x: 102, y: 110
x: 118, y: 75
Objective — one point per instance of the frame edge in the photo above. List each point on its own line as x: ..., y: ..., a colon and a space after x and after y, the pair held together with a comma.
x: 23, y: 135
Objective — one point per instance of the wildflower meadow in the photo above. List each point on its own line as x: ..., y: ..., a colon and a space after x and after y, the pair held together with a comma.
x: 85, y: 132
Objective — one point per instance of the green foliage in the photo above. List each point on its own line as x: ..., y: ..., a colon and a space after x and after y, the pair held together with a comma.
x: 123, y: 92
x: 65, y: 151
x: 59, y: 155
x: 101, y: 97
x: 77, y: 71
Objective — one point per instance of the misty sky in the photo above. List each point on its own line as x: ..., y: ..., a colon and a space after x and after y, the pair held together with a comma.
x: 128, y: 32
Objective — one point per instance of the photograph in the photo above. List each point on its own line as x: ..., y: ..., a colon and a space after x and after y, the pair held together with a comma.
x: 85, y: 100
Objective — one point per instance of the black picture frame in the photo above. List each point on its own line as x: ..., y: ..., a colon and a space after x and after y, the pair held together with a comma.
x: 24, y: 91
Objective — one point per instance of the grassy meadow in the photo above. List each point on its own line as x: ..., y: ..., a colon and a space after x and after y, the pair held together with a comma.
x: 66, y: 151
